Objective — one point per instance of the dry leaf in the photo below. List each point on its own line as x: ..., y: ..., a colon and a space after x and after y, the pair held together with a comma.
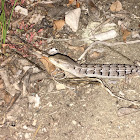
x: 116, y: 6
x: 133, y: 106
x: 58, y: 24
x: 77, y: 4
x: 70, y: 2
x: 126, y: 33
x: 48, y: 65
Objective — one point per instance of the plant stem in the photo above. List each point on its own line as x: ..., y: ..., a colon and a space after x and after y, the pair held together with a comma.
x: 11, y: 15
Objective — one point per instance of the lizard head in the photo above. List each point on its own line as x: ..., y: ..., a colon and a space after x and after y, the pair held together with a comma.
x: 61, y: 61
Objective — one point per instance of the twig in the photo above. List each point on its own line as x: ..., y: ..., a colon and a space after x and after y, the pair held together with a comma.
x: 36, y: 132
x: 42, y: 2
x: 65, y: 39
x: 107, y: 44
x: 13, y: 100
x: 135, y: 102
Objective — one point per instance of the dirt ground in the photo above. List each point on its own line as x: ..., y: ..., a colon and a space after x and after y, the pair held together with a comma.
x: 82, y: 111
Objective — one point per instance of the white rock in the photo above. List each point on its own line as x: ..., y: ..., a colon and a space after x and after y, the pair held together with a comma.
x: 35, y: 100
x: 27, y: 135
x: 135, y: 34
x: 74, y: 122
x: 60, y: 86
x: 25, y: 127
x: 106, y: 35
x: 49, y: 104
x: 72, y: 19
x: 34, y: 122
x: 21, y: 10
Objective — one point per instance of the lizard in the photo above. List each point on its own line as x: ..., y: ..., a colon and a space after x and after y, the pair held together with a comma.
x: 95, y: 70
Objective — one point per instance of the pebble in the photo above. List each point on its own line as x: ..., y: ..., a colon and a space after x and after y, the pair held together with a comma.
x: 21, y: 10
x: 72, y: 19
x: 34, y: 122
x: 25, y: 127
x: 60, y: 86
x: 106, y: 35
x: 49, y: 104
x: 35, y: 100
x: 27, y: 135
x: 74, y: 122
x: 36, y: 18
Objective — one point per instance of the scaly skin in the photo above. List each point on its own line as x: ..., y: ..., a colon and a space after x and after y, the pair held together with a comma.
x: 96, y: 70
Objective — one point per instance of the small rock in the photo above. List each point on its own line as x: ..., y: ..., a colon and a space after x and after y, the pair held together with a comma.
x: 21, y: 10
x: 25, y: 127
x: 72, y: 19
x: 36, y: 18
x: 84, y: 105
x: 50, y: 87
x: 35, y: 100
x: 74, y: 122
x: 34, y: 122
x: 106, y: 35
x: 60, y: 86
x: 27, y: 135
x: 44, y: 129
x: 135, y: 34
x: 71, y: 104
x: 50, y: 104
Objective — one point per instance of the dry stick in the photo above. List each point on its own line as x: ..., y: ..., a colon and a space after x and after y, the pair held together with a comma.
x: 36, y: 132
x: 43, y: 2
x: 107, y: 44
x: 13, y: 100
x: 135, y: 102
x: 65, y: 39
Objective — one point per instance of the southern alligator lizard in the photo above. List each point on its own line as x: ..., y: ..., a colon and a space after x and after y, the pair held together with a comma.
x: 96, y: 70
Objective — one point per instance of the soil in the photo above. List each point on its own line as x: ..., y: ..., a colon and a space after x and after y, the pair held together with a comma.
x: 85, y: 111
